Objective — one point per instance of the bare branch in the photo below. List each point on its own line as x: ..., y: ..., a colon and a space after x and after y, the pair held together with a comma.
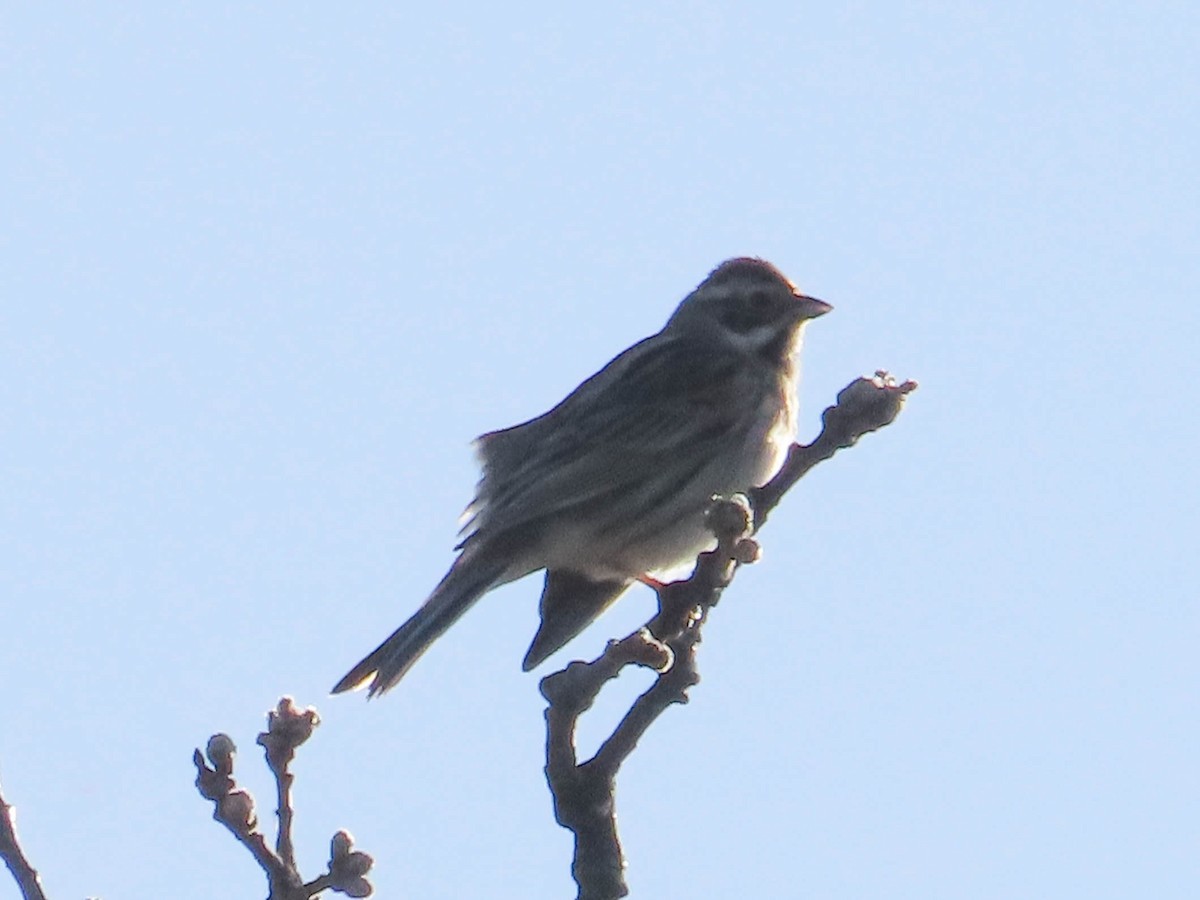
x: 584, y: 794
x: 287, y: 728
x: 10, y: 851
x: 863, y: 406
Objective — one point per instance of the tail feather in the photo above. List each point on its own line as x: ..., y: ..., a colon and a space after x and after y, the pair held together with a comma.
x: 454, y: 595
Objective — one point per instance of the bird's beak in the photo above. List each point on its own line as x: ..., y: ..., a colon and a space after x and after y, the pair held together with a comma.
x: 810, y: 307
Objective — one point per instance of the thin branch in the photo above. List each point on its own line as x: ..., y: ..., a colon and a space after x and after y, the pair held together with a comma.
x: 863, y: 406
x: 234, y: 808
x: 584, y: 797
x: 287, y: 728
x: 584, y: 794
x: 10, y: 850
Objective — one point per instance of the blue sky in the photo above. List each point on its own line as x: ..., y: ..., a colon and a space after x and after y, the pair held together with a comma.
x: 266, y: 272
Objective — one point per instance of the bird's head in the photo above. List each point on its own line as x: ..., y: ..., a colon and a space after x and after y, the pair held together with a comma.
x: 750, y: 304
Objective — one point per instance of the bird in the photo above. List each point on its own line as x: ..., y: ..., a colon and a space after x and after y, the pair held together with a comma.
x: 612, y: 484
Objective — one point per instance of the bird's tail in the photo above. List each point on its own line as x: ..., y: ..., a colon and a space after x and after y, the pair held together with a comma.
x: 467, y: 581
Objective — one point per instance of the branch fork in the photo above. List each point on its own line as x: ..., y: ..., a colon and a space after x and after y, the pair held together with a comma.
x: 584, y: 793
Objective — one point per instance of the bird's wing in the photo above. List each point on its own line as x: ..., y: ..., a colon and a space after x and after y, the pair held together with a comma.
x: 629, y: 430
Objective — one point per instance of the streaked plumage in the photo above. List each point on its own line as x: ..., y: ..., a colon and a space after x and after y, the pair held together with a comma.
x: 612, y: 484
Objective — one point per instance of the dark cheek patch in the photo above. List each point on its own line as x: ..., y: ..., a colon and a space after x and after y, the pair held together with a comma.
x: 740, y: 321
x: 757, y: 312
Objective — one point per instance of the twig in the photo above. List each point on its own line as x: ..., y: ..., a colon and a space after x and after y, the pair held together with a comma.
x: 287, y: 728
x: 585, y: 793
x: 10, y: 850
x: 863, y: 406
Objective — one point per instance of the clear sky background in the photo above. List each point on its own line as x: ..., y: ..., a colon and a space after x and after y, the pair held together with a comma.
x: 266, y: 271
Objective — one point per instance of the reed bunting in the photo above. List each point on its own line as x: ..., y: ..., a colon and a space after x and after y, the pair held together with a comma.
x: 613, y: 483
